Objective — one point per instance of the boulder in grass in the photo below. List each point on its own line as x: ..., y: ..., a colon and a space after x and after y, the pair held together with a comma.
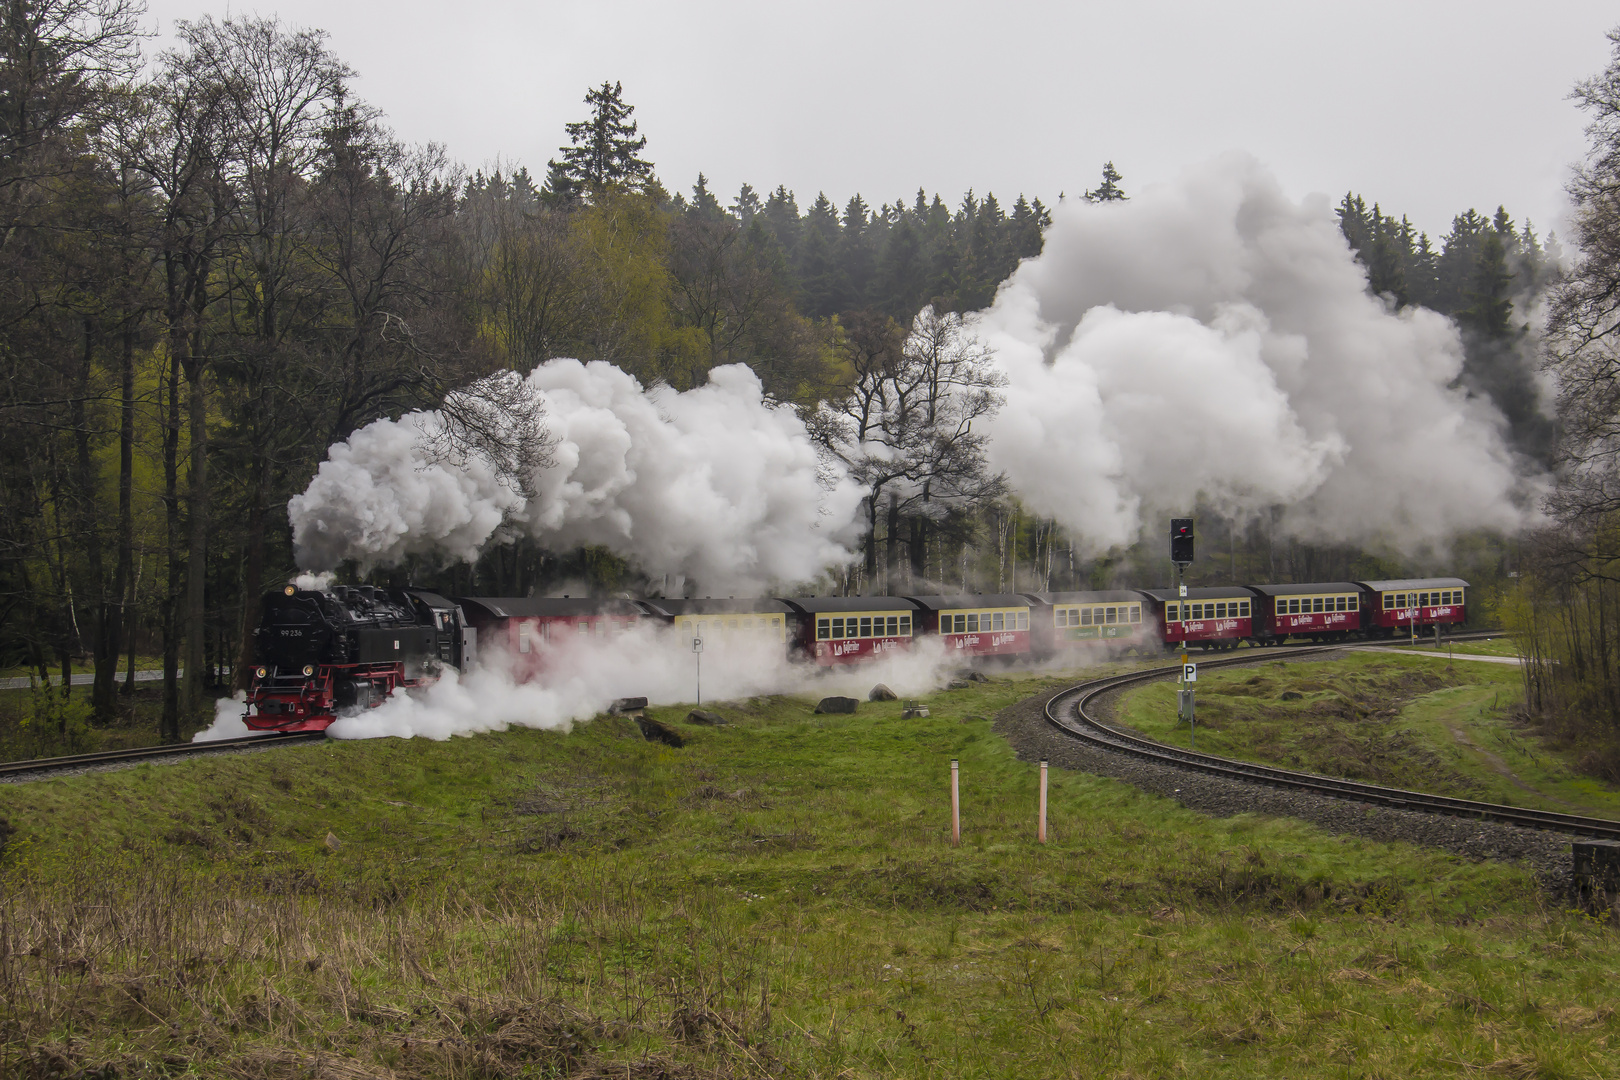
x: 880, y: 692
x: 627, y: 705
x: 837, y: 705
x: 706, y: 718
x: 958, y: 684
x: 654, y: 731
x: 975, y: 676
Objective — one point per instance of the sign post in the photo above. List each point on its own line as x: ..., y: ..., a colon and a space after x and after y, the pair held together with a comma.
x: 1181, y: 554
x: 697, y: 654
x: 1040, y: 829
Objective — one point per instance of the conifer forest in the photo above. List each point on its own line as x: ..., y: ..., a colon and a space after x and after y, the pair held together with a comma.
x: 217, y: 262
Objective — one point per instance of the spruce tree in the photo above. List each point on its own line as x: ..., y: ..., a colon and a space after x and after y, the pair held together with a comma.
x: 1109, y: 190
x: 605, y: 148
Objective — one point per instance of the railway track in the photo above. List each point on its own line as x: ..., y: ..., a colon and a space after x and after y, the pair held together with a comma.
x: 149, y: 753
x: 1068, y: 713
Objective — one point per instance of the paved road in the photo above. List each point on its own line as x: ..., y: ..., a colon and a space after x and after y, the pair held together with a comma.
x: 85, y: 680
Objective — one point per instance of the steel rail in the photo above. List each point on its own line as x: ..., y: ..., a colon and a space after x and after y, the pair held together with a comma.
x: 1087, y: 728
x: 143, y: 753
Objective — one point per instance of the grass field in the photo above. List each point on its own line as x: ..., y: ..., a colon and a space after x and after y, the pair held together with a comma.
x: 1415, y: 723
x: 776, y: 898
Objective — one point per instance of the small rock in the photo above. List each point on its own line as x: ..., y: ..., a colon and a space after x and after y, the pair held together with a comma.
x: 837, y: 705
x: 706, y: 718
x: 881, y: 692
x: 913, y: 712
x: 627, y: 705
x: 1291, y: 695
x: 653, y: 731
x: 332, y: 842
x: 958, y: 684
x: 975, y: 676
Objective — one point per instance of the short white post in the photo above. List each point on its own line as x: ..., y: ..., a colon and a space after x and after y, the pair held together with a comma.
x: 1040, y: 830
x: 956, y: 808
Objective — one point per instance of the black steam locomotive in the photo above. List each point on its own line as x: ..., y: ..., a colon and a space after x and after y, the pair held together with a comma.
x: 324, y: 652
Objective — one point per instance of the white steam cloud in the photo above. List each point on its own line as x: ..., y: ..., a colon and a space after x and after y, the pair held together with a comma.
x: 714, y: 483
x: 584, y: 675
x: 1212, y: 337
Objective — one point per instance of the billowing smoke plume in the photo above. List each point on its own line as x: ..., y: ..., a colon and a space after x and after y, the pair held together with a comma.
x: 584, y: 674
x: 1213, y: 338
x: 713, y: 483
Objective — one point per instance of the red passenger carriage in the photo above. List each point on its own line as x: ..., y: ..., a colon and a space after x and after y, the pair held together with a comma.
x: 531, y: 627
x: 1321, y: 611
x: 1408, y: 604
x: 1075, y: 623
x: 833, y: 630
x: 994, y: 625
x: 1212, y: 618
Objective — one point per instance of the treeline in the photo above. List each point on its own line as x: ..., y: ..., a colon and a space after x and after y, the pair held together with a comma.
x: 1566, y: 607
x: 1487, y: 273
x: 215, y: 266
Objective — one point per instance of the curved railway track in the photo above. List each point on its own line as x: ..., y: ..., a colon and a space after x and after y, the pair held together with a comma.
x: 10, y: 769
x: 1068, y: 713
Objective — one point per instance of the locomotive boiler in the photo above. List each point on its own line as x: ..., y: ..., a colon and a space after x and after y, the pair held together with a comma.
x: 323, y: 652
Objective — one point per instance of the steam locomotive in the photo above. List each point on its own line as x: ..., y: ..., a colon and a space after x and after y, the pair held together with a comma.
x: 323, y: 653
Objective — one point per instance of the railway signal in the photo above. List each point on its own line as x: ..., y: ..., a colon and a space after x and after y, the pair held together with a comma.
x: 1181, y: 553
x: 1181, y: 541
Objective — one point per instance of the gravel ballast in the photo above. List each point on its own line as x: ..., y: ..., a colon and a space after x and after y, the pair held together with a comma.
x: 1033, y: 737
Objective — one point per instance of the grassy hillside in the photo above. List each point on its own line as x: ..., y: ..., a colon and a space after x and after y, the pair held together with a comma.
x: 1414, y: 722
x: 779, y: 897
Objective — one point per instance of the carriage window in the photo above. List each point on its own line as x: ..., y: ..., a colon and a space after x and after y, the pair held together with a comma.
x: 524, y: 630
x: 776, y: 620
x: 837, y: 628
x: 1282, y: 607
x: 1136, y: 613
x: 1243, y: 609
x: 1293, y: 607
x: 1457, y: 597
x: 894, y: 625
x: 1220, y: 610
x: 1389, y: 601
x: 905, y: 626
x: 1023, y: 620
x: 998, y: 621
x: 1085, y: 616
x: 1062, y: 616
x: 973, y: 623
x: 866, y: 627
x: 821, y: 629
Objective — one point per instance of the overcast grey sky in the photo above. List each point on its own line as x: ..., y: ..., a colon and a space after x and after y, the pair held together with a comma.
x: 1429, y: 107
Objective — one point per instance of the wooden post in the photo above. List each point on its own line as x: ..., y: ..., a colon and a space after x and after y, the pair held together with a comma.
x: 1040, y: 831
x: 956, y: 808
